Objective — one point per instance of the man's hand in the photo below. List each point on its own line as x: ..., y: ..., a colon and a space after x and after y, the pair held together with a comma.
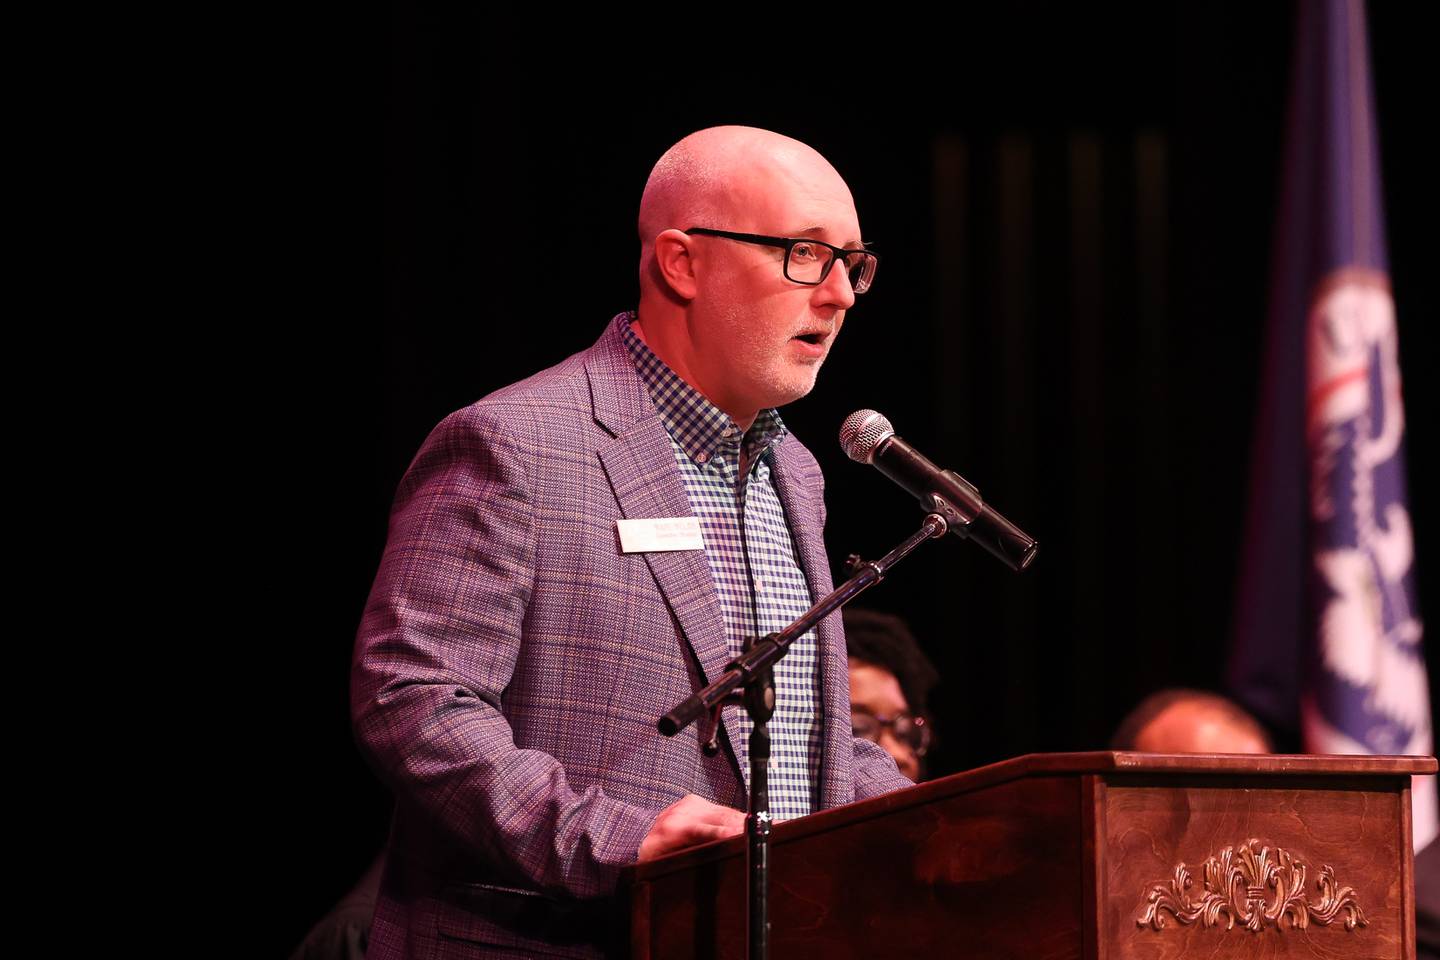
x: 687, y: 822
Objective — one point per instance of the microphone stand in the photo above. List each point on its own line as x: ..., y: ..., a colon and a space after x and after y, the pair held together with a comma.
x: 754, y: 671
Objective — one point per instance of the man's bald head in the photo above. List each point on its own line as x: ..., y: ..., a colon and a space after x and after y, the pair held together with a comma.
x: 720, y: 177
x: 722, y: 310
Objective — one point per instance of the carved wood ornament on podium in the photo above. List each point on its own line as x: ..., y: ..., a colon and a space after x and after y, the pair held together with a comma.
x: 1254, y: 885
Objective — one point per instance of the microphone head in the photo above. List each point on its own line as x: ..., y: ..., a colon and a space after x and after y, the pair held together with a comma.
x: 862, y: 433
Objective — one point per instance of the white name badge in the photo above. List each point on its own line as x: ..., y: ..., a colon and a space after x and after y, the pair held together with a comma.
x: 659, y: 534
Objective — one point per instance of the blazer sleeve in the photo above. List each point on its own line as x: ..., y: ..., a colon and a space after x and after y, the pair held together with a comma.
x: 875, y: 771
x: 435, y: 651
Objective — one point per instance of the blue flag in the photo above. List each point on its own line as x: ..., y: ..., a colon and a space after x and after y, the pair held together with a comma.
x: 1328, y: 631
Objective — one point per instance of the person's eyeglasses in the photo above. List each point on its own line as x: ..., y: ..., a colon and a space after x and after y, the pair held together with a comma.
x: 809, y: 261
x: 911, y: 731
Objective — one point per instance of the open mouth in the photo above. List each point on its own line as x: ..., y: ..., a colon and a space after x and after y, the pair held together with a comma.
x: 814, y: 339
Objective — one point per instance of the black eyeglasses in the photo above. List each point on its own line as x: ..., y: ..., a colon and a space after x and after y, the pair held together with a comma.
x: 809, y: 261
x: 909, y: 730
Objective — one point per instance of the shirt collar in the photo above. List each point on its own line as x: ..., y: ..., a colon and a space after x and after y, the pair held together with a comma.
x: 702, y: 430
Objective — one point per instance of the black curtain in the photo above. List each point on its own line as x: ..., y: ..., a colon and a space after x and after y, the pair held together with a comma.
x: 1074, y: 214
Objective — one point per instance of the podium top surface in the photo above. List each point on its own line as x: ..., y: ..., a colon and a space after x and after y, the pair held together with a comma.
x: 1120, y: 763
x: 1108, y: 763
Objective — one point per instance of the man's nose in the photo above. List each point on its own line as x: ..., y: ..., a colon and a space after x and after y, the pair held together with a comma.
x: 836, y: 287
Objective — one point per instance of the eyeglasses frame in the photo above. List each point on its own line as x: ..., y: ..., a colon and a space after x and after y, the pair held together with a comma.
x: 891, y: 724
x: 788, y: 244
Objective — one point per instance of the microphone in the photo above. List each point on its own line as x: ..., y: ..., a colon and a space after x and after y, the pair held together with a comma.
x: 867, y: 437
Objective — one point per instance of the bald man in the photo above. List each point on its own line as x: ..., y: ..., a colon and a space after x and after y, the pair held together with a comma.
x: 574, y: 554
x: 1180, y: 720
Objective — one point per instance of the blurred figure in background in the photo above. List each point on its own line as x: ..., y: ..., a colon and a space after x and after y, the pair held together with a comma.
x: 1190, y: 721
x: 890, y: 683
x: 344, y: 932
x: 1194, y: 721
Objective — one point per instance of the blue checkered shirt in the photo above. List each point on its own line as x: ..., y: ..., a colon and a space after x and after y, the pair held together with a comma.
x: 752, y: 560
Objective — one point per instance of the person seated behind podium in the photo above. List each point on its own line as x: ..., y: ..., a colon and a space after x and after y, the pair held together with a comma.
x: 1190, y: 721
x: 890, y: 681
x: 1193, y: 721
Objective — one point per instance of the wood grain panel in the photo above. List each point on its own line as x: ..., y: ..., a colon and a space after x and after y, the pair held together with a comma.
x: 995, y: 873
x: 1153, y: 825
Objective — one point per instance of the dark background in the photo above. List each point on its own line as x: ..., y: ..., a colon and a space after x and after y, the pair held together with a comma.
x: 1074, y: 215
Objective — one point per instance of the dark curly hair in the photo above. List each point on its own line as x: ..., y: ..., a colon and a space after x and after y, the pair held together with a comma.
x: 885, y: 641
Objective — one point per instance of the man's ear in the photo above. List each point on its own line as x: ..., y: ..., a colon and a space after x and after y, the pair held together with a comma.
x: 674, y: 263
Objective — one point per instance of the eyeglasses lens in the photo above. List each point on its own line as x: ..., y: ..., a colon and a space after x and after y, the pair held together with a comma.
x: 810, y: 263
x: 908, y: 730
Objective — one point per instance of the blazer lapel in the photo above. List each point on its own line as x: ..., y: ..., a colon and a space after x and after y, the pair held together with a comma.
x: 798, y: 484
x: 642, y: 472
x: 640, y: 463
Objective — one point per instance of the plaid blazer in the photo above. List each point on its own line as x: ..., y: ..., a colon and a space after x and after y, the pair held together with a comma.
x: 512, y: 662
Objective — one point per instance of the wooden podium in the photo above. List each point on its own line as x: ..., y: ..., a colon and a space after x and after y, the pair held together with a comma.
x: 1092, y: 856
